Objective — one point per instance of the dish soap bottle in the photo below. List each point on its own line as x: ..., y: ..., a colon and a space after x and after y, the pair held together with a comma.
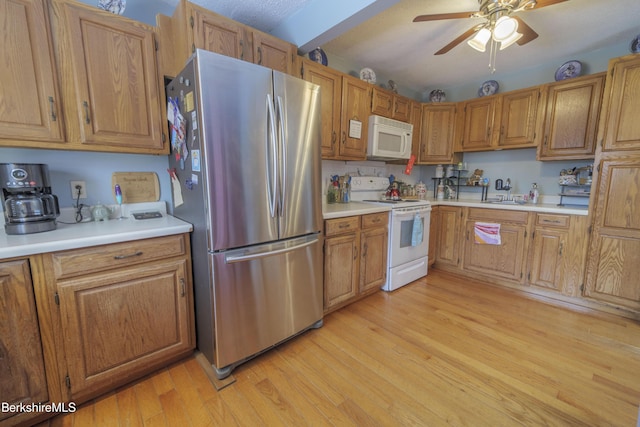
x: 533, y: 194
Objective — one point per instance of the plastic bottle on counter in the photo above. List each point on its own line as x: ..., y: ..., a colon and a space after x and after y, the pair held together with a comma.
x: 533, y: 194
x: 440, y: 192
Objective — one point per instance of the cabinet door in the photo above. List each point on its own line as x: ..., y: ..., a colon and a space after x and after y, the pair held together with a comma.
x: 434, y: 233
x: 340, y: 269
x: 272, y: 52
x: 31, y: 107
x: 118, y: 323
x: 547, y: 258
x: 356, y: 107
x: 478, y: 124
x: 373, y: 258
x: 571, y: 117
x: 218, y: 34
x: 111, y: 94
x: 381, y: 102
x: 437, y: 137
x: 401, y: 108
x: 621, y: 106
x: 518, y: 113
x: 22, y: 375
x: 504, y: 260
x: 614, y: 253
x: 330, y: 83
x: 448, y: 247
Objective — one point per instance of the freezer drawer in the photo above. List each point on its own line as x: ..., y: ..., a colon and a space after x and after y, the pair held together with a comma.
x: 263, y: 295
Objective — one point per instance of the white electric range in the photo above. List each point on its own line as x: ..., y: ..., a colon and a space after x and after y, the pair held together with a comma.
x: 408, y: 245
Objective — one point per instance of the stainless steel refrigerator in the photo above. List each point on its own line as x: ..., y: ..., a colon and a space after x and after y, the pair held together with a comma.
x: 246, y: 156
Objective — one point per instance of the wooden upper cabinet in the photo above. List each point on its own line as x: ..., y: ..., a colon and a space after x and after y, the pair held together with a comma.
x: 381, y: 102
x: 217, y: 34
x: 501, y: 121
x: 571, y: 109
x: 194, y: 27
x: 110, y: 80
x: 437, y: 133
x: 517, y: 118
x: 621, y: 126
x: 272, y: 52
x: 330, y: 82
x: 478, y: 124
x: 356, y: 107
x: 30, y: 106
x: 388, y: 104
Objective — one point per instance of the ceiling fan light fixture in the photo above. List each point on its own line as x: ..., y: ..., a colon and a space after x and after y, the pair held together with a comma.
x: 504, y: 28
x: 510, y: 40
x: 479, y: 41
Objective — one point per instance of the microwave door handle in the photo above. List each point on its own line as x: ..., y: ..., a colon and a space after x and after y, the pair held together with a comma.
x: 271, y: 151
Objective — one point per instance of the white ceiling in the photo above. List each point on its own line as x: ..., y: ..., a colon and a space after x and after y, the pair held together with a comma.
x: 392, y: 45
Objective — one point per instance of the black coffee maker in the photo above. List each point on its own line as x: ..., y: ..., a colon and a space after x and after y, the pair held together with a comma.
x: 29, y: 206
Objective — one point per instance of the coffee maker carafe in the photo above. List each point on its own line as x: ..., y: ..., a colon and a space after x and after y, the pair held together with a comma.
x: 29, y: 206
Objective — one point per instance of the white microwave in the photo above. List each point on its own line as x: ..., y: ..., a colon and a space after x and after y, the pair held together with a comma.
x: 389, y: 139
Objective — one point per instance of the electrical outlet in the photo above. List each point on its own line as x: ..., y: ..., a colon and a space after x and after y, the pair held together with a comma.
x: 74, y: 189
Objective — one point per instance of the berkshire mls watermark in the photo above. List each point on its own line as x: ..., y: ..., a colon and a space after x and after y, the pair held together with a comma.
x: 38, y: 407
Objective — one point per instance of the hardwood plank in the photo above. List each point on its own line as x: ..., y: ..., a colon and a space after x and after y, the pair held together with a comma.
x: 443, y: 350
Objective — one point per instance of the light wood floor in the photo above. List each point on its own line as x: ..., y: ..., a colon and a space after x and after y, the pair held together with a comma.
x: 441, y: 351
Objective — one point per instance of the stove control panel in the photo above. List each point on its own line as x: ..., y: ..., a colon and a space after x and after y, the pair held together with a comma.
x: 369, y: 183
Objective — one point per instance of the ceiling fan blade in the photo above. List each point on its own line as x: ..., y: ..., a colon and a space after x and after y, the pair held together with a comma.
x: 544, y: 3
x: 528, y: 34
x: 438, y: 16
x: 458, y: 40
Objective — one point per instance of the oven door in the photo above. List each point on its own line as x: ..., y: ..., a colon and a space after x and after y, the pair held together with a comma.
x: 406, y: 242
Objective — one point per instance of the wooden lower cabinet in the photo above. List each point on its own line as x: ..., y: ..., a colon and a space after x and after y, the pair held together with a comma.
x: 558, y: 252
x: 124, y: 309
x: 22, y: 371
x: 505, y: 260
x: 355, y: 258
x: 449, y: 239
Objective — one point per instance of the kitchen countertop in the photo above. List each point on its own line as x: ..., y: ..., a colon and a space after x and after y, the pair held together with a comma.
x: 85, y: 234
x: 339, y: 210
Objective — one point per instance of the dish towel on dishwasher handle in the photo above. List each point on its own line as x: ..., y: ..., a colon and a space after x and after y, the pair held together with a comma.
x: 487, y: 233
x: 416, y: 232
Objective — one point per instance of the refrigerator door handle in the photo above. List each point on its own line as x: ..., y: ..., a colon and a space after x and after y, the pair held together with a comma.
x: 271, y: 158
x: 230, y: 259
x: 283, y: 154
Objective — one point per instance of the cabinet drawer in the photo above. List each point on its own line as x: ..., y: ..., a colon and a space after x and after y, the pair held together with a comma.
x: 337, y: 226
x: 550, y: 220
x: 375, y: 220
x: 496, y: 215
x: 98, y: 258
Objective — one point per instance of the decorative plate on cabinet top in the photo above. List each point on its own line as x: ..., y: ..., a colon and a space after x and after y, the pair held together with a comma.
x: 318, y: 55
x: 437, y: 95
x: 634, y: 47
x: 489, y: 87
x: 568, y: 70
x: 368, y: 75
x: 113, y: 6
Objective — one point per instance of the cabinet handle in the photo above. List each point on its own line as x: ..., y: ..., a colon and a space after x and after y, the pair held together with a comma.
x: 334, y: 137
x: 355, y: 254
x: 53, y: 109
x: 364, y: 252
x: 242, y: 49
x: 183, y: 289
x: 87, y: 119
x: 545, y: 139
x: 128, y: 256
x: 344, y: 137
x: 560, y: 248
x: 259, y: 56
x: 344, y: 226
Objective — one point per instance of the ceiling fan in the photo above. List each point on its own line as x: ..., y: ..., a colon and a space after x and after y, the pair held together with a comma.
x: 495, y: 13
